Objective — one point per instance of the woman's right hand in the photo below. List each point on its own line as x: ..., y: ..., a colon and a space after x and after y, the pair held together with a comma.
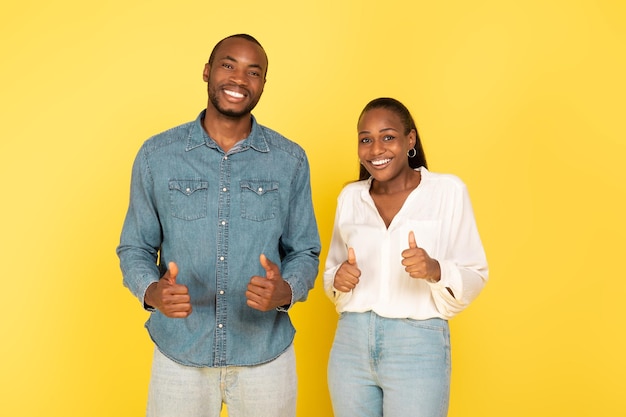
x: 347, y: 276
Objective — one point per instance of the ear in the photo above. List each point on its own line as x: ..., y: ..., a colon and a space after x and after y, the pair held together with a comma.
x: 412, y: 138
x: 205, y: 72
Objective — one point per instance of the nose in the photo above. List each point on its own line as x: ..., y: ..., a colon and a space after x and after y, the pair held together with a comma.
x: 239, y: 76
x: 378, y: 147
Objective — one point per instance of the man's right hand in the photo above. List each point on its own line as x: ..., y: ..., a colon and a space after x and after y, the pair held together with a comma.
x: 168, y: 297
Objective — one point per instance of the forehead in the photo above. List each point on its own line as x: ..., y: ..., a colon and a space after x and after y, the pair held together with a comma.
x: 242, y: 50
x: 380, y: 118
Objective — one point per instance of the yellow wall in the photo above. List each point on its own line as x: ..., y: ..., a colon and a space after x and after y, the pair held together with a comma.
x: 523, y: 100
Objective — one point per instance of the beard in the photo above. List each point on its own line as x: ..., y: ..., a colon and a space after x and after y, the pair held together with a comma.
x: 235, y: 114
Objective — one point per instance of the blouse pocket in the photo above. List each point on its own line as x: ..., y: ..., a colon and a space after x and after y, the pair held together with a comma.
x: 188, y: 198
x: 259, y: 199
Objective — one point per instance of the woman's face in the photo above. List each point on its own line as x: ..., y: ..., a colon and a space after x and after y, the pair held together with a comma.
x: 383, y: 145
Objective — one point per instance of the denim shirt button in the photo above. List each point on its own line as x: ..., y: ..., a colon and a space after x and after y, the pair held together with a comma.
x: 220, y: 325
x: 221, y: 258
x: 223, y: 223
x: 222, y: 292
x: 224, y: 189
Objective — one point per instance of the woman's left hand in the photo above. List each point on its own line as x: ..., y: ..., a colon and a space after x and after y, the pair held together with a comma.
x: 418, y: 263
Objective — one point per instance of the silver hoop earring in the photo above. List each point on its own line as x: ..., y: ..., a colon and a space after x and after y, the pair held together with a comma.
x: 411, y: 155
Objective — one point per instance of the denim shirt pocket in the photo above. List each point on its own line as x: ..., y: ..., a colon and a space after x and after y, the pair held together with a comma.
x: 188, y: 198
x: 259, y: 199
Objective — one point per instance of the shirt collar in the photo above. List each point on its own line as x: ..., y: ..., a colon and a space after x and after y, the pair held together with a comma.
x: 198, y: 137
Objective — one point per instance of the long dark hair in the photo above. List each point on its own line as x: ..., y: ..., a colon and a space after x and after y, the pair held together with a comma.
x: 400, y: 109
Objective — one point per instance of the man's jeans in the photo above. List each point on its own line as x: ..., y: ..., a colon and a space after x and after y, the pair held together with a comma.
x: 266, y: 390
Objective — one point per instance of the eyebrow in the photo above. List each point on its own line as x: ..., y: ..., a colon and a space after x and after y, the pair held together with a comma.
x: 380, y: 131
x: 230, y: 58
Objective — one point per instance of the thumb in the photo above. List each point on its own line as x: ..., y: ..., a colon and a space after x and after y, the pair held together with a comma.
x: 412, y: 243
x: 351, y: 256
x: 172, y: 272
x: 271, y: 270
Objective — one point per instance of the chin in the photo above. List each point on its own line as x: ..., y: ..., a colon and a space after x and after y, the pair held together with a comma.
x: 234, y: 113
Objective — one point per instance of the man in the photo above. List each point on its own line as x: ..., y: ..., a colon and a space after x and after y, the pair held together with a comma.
x: 219, y: 241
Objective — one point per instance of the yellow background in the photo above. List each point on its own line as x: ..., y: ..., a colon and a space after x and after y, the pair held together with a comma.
x: 523, y: 100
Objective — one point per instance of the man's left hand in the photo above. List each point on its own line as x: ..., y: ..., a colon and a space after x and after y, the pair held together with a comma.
x: 267, y: 293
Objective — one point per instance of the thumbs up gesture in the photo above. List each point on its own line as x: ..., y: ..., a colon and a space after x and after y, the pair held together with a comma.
x: 347, y: 276
x: 268, y: 292
x: 418, y: 264
x: 167, y: 296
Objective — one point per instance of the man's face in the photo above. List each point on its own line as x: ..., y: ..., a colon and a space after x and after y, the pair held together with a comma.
x: 236, y: 77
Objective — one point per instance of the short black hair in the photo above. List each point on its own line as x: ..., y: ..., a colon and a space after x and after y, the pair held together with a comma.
x: 238, y: 35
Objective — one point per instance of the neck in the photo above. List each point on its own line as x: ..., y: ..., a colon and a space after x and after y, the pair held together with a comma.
x: 408, y: 180
x: 224, y: 130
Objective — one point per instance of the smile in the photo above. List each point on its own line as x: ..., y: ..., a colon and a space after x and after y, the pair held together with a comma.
x: 233, y: 94
x: 380, y: 162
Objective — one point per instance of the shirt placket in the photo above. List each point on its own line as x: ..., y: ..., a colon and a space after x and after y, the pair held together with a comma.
x: 223, y: 211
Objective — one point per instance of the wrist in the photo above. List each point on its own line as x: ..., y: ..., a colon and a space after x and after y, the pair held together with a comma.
x: 148, y: 300
x: 437, y: 275
x: 288, y: 300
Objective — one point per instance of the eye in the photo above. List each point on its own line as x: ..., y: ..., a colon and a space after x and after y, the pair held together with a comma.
x: 365, y: 140
x: 227, y: 65
x: 388, y: 137
x: 254, y: 74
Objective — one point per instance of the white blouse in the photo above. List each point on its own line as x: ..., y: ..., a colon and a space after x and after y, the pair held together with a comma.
x: 440, y: 214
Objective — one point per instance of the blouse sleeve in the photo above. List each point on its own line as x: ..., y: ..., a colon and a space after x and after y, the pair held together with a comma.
x: 337, y: 255
x: 463, y: 266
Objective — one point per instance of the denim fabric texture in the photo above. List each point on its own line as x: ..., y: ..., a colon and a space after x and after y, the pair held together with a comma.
x: 266, y: 390
x: 389, y: 367
x: 214, y: 214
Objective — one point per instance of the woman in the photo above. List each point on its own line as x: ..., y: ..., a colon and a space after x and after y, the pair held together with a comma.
x: 404, y: 258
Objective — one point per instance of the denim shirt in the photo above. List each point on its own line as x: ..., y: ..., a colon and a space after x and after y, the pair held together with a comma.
x: 214, y: 214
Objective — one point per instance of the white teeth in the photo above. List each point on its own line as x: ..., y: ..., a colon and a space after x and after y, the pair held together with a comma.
x: 380, y: 162
x: 233, y: 94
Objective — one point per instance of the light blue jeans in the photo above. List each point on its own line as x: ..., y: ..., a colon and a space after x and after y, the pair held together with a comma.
x: 267, y: 390
x: 389, y: 367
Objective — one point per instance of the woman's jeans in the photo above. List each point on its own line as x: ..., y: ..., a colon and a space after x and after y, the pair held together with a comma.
x: 391, y: 367
x: 267, y: 390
